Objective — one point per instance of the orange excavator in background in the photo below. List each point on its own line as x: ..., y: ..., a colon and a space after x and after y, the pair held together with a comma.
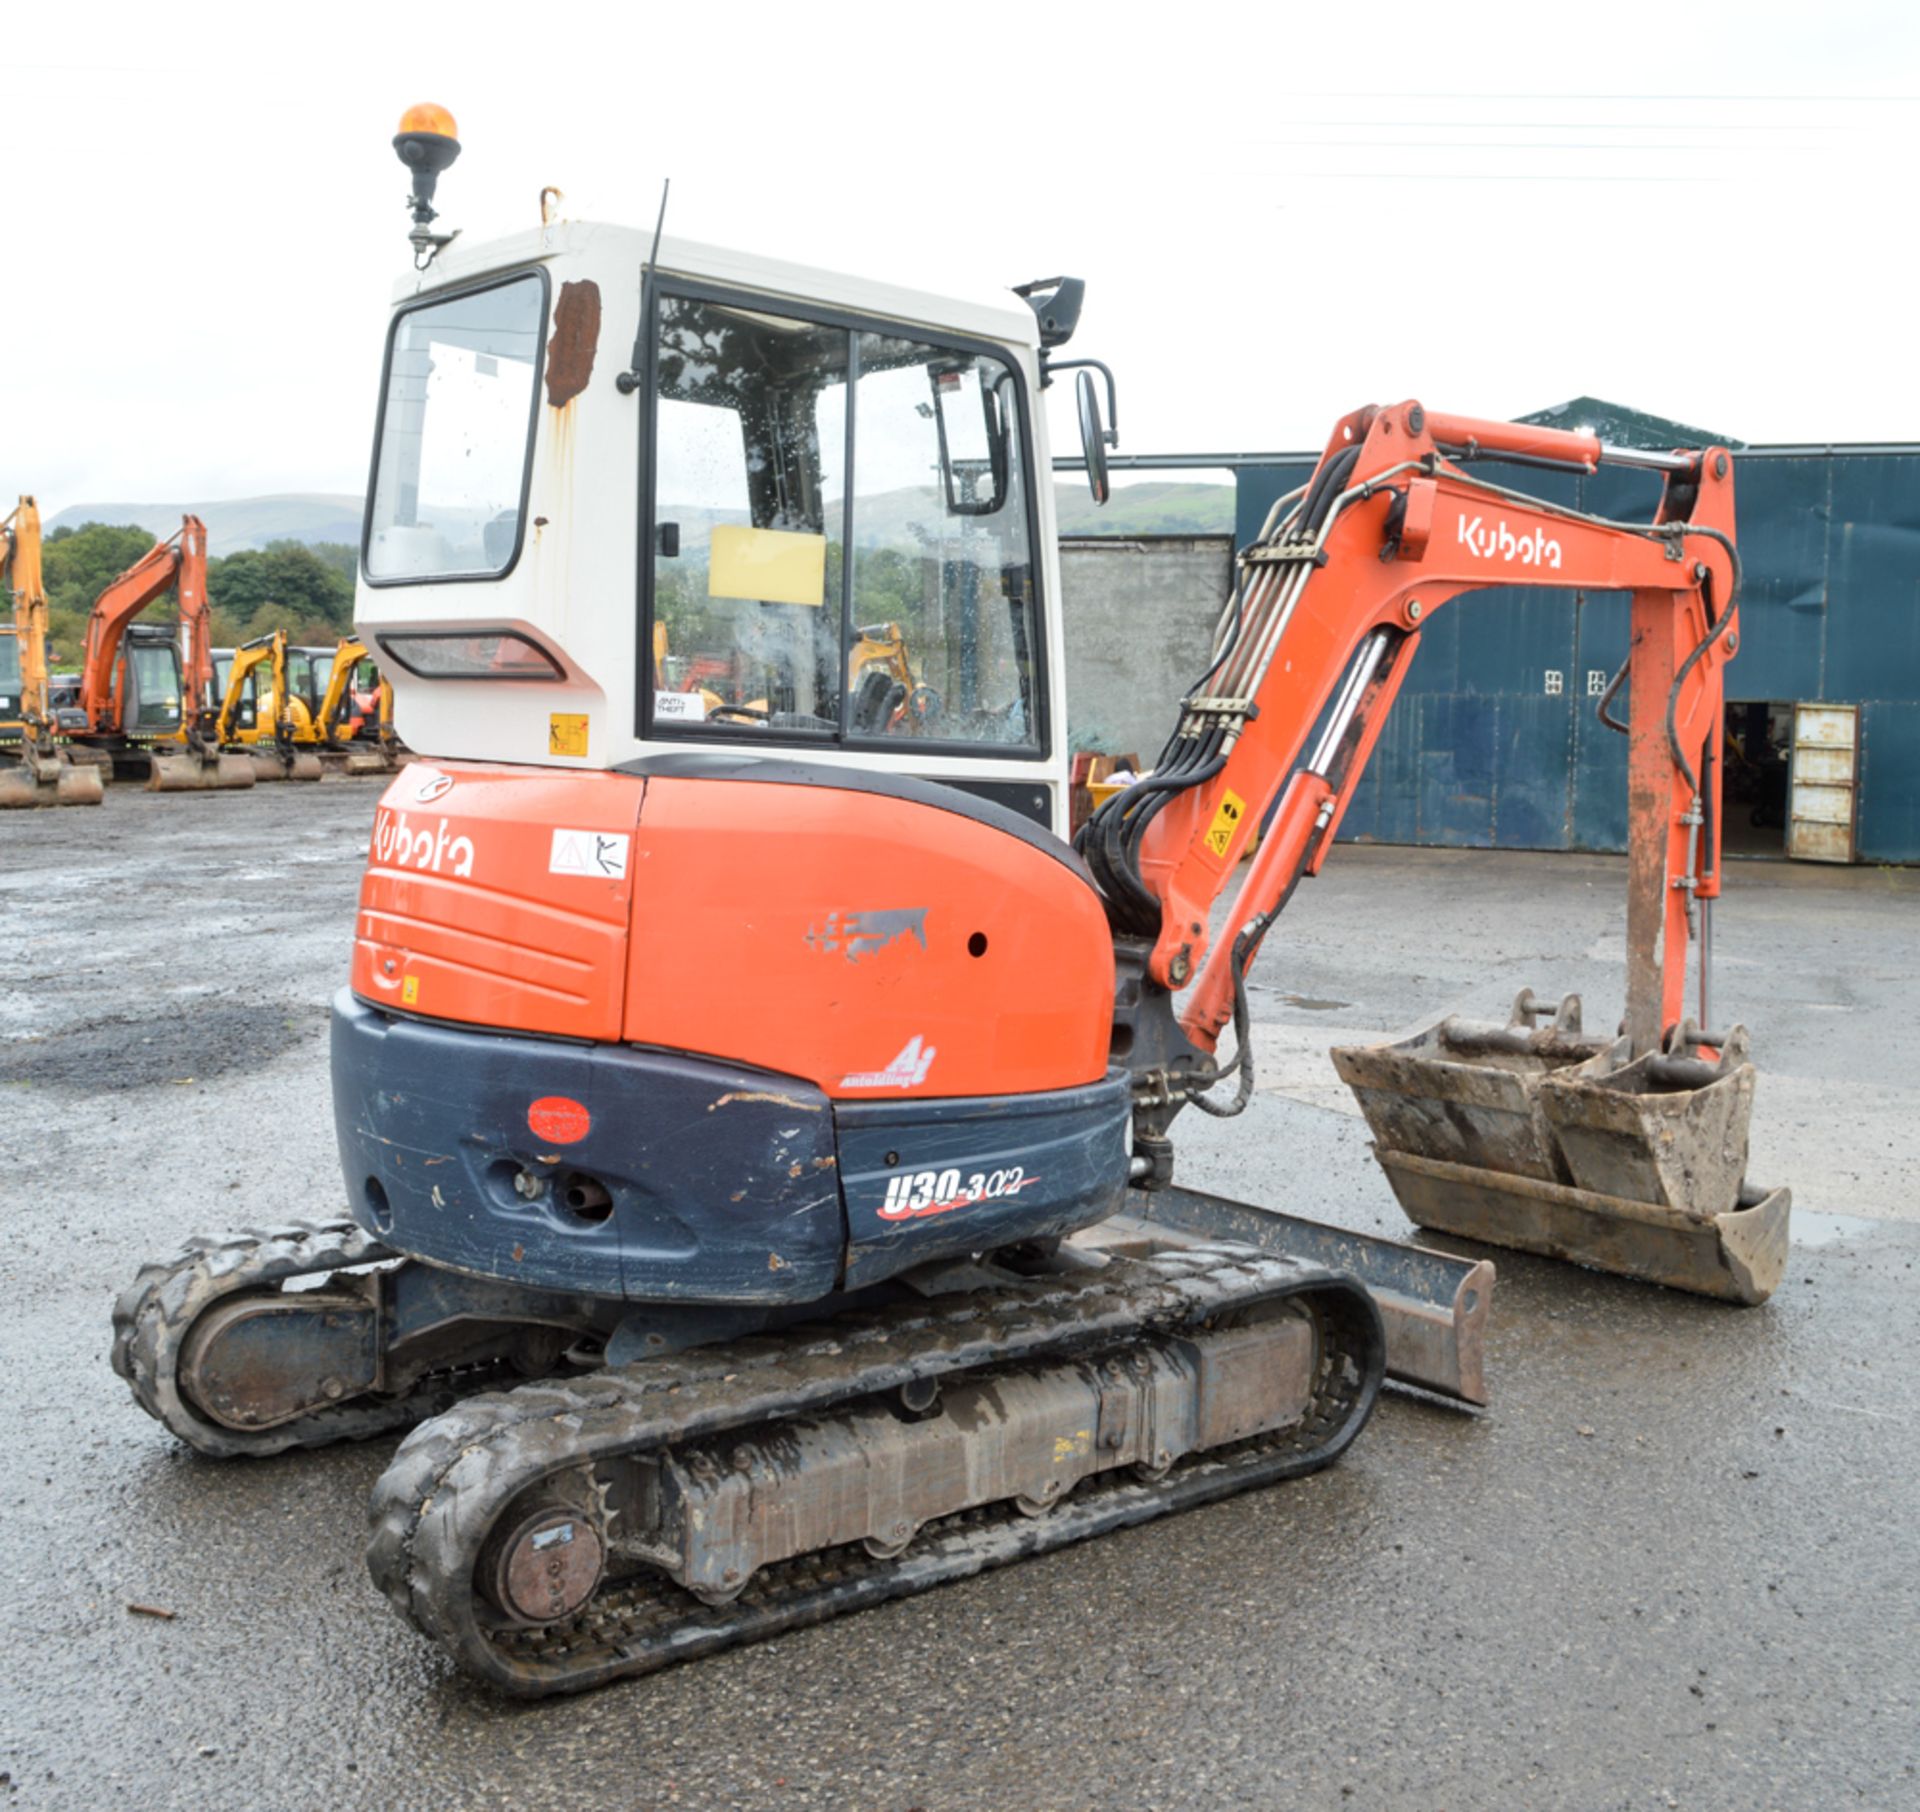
x: 143, y: 713
x: 35, y: 768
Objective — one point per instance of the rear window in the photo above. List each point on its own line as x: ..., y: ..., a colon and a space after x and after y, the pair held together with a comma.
x: 456, y: 426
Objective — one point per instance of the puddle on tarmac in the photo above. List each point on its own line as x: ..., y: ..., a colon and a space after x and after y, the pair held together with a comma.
x: 1810, y: 1229
x: 1312, y: 1005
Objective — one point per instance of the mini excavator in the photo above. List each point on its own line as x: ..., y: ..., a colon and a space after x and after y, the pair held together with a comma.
x: 757, y: 1122
x: 35, y: 768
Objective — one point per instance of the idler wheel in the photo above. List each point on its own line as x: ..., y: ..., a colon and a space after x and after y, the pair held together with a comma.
x: 542, y: 1563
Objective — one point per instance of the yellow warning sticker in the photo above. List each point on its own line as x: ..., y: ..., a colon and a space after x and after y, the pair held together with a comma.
x: 567, y: 733
x: 410, y: 991
x: 1225, y: 822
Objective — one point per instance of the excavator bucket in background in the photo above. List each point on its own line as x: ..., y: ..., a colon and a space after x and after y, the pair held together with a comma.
x: 267, y: 764
x: 40, y: 780
x: 1554, y: 1141
x: 187, y: 771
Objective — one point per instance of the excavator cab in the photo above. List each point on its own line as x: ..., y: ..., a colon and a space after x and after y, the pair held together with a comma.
x: 150, y: 681
x: 11, y: 678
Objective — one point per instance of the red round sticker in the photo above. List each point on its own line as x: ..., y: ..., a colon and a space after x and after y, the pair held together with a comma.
x: 559, y: 1120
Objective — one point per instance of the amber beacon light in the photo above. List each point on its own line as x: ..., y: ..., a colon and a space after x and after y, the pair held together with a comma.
x: 426, y: 143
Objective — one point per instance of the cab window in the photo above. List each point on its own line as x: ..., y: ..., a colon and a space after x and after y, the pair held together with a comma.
x: 791, y: 604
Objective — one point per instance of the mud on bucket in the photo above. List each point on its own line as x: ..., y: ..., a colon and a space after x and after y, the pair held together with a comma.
x: 1464, y: 1092
x: 1517, y: 1138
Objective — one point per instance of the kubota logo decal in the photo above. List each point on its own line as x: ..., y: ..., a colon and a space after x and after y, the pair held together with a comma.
x: 1536, y: 548
x: 405, y: 845
x: 924, y: 1192
x: 908, y: 1070
x: 429, y: 785
x: 858, y: 934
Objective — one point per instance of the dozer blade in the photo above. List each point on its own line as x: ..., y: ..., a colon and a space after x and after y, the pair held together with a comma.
x: 1432, y: 1305
x: 266, y: 765
x: 1551, y: 1141
x: 370, y: 761
x: 305, y: 765
x: 190, y: 773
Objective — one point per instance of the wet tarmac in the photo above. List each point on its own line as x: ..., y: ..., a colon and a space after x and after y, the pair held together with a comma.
x: 1674, y: 1565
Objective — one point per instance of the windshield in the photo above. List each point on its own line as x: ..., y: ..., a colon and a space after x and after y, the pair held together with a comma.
x: 454, y: 429
x: 156, y: 686
x: 9, y: 665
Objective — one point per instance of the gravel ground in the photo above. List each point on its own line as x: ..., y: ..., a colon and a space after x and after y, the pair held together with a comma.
x: 1674, y: 1565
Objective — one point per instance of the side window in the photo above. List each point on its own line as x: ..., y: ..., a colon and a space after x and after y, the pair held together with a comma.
x: 749, y: 489
x: 788, y: 603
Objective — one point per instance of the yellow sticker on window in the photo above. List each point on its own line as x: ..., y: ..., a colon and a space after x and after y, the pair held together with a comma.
x: 410, y: 991
x: 1225, y: 822
x: 567, y: 733
x: 774, y: 565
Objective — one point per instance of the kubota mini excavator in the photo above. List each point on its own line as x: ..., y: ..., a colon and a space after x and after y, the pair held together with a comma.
x: 35, y: 768
x: 145, y: 716
x: 758, y: 1130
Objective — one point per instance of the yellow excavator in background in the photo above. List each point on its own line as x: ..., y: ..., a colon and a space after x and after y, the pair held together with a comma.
x: 280, y: 737
x: 34, y: 768
x: 880, y: 681
x: 362, y: 741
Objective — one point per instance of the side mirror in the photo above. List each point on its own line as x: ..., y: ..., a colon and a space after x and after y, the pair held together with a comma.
x: 1093, y: 436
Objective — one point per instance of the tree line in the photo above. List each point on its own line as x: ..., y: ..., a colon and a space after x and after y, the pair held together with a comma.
x: 307, y: 590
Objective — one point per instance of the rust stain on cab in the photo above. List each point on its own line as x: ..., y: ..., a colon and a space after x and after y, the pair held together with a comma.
x: 576, y: 336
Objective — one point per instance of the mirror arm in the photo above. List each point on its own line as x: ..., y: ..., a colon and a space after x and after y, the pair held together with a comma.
x: 1111, y: 435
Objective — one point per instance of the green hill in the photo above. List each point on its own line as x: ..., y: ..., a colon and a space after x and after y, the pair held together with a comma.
x: 1152, y: 508
x: 239, y: 522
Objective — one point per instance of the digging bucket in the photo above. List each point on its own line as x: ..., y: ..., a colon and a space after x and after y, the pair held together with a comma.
x: 49, y: 780
x: 1519, y: 1137
x: 20, y: 786
x: 190, y: 773
x: 1464, y: 1092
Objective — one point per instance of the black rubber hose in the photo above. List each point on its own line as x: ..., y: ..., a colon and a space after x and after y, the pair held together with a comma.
x: 1720, y: 626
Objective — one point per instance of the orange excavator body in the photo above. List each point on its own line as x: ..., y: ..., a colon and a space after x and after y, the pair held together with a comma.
x: 618, y: 908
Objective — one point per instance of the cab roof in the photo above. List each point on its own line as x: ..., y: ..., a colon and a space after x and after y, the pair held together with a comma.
x: 988, y: 315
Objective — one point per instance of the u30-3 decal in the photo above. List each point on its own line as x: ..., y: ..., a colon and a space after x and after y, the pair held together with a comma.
x: 915, y: 1193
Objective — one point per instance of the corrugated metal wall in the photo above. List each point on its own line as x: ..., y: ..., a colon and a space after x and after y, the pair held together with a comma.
x: 1480, y: 753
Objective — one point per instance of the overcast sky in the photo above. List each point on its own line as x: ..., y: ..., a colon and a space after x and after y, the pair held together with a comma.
x: 1702, y: 210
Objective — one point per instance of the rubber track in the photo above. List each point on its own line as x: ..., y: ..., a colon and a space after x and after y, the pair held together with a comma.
x: 155, y: 1313
x: 453, y: 1477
